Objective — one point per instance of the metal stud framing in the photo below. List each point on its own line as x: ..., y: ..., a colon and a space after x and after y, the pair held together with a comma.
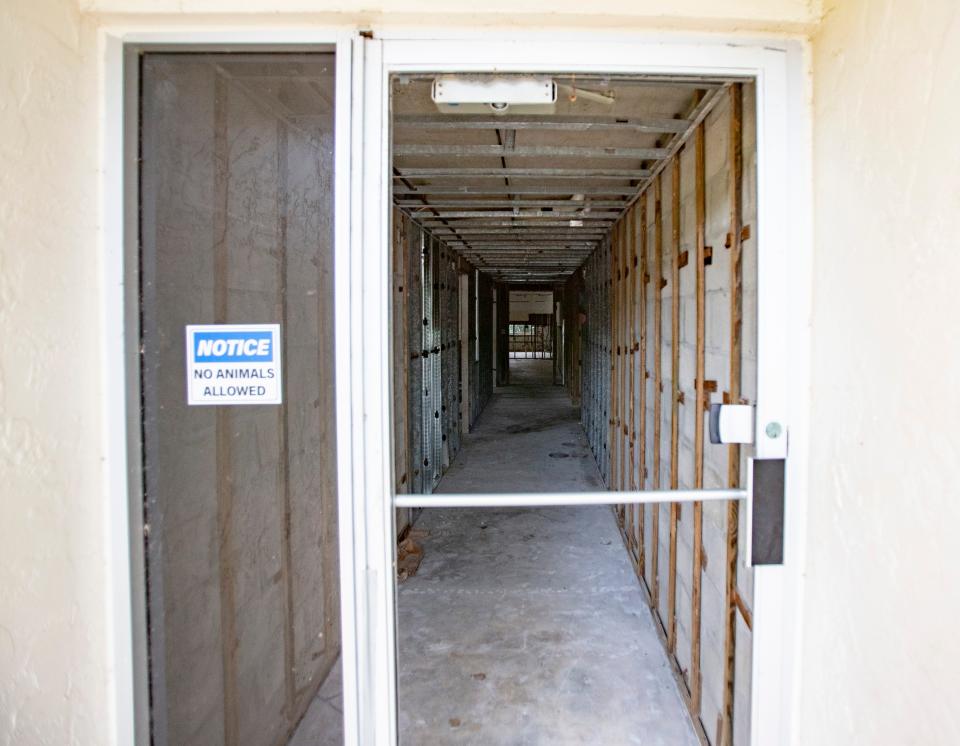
x: 568, y: 180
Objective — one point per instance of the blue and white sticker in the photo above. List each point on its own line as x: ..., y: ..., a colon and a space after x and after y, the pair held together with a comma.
x: 233, y: 364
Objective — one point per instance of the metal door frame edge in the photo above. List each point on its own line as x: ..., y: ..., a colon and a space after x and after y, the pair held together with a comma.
x: 784, y: 232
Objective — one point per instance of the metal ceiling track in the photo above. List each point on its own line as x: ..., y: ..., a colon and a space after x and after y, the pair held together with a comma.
x: 538, y: 223
x: 557, y: 123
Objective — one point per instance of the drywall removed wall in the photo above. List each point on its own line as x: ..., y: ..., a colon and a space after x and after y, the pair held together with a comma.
x: 427, y: 360
x: 667, y: 312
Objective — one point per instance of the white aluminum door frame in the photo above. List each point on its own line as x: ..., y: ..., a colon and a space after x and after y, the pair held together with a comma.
x: 783, y: 283
x: 362, y: 323
x: 119, y: 320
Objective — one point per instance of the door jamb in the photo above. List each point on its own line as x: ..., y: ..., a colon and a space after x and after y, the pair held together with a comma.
x: 784, y: 230
x: 129, y: 720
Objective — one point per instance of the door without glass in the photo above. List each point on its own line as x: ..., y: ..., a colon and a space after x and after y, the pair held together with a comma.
x: 381, y: 59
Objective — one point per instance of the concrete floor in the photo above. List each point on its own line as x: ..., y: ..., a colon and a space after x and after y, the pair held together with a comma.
x: 531, y: 372
x: 322, y: 725
x: 523, y: 626
x: 528, y: 626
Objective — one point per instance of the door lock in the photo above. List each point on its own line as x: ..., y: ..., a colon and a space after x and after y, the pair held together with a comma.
x: 731, y: 423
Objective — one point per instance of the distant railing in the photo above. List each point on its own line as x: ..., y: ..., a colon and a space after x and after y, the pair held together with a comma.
x: 530, y: 341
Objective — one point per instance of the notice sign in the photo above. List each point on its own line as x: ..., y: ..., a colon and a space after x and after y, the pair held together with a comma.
x: 233, y: 364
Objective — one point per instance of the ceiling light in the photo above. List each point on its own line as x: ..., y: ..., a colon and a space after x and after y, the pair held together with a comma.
x: 576, y: 224
x: 477, y: 94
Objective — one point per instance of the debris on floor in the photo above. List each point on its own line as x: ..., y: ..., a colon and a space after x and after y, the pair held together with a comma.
x: 410, y: 554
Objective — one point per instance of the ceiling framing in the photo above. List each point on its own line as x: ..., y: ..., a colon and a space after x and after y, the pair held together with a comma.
x: 528, y: 198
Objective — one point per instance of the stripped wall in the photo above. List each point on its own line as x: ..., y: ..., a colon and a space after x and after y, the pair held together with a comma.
x: 426, y: 356
x: 659, y: 299
x: 572, y: 301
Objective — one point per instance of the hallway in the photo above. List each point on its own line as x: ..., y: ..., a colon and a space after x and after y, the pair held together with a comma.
x: 528, y: 626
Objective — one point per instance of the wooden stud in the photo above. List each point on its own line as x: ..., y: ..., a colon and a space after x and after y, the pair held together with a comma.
x: 696, y: 585
x: 675, y: 401
x: 657, y: 384
x: 625, y: 344
x: 735, y: 165
x: 622, y: 309
x: 642, y: 402
x: 631, y: 341
x: 744, y: 610
x: 614, y: 332
x: 621, y: 360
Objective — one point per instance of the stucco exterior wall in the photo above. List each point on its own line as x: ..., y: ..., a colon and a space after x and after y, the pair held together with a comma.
x: 761, y: 15
x: 54, y: 664
x: 880, y: 648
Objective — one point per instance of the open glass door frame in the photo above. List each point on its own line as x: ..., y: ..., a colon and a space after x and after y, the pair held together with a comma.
x: 119, y: 46
x: 783, y: 282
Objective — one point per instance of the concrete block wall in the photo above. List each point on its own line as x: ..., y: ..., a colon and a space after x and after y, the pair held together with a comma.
x: 650, y: 551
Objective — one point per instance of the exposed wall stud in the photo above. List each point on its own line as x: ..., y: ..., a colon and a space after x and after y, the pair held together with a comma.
x: 644, y: 273
x: 657, y: 383
x: 631, y: 258
x: 675, y: 400
x: 735, y: 166
x: 697, y: 580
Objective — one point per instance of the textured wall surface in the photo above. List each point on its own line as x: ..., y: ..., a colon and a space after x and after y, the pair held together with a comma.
x: 785, y: 15
x: 54, y: 659
x: 879, y: 660
x: 882, y: 594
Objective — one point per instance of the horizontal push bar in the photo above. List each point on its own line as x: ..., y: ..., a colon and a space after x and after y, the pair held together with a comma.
x: 561, y: 499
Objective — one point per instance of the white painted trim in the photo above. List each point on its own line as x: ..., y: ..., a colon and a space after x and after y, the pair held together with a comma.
x: 122, y: 717
x: 373, y: 469
x: 564, y: 499
x: 346, y: 138
x: 784, y: 220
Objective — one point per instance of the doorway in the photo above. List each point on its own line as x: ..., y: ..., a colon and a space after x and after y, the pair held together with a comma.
x: 362, y: 246
x: 601, y: 202
x: 402, y: 58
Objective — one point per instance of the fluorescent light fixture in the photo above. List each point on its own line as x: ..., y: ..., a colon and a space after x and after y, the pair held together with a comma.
x: 471, y: 94
x: 576, y: 224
